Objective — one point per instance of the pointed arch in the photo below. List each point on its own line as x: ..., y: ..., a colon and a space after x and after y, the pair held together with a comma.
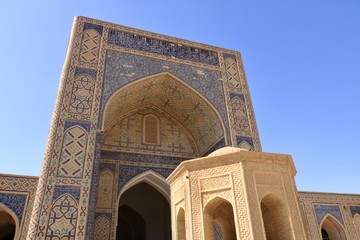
x: 176, y: 98
x: 276, y: 218
x: 105, y: 189
x: 9, y: 223
x: 170, y: 132
x: 219, y: 219
x: 332, y: 227
x: 180, y: 224
x: 144, y: 207
x: 154, y: 179
x: 151, y: 129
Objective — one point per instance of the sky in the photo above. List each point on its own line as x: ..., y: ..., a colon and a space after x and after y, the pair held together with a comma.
x: 302, y: 61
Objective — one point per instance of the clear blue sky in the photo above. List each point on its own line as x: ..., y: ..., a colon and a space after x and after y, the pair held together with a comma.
x: 302, y: 60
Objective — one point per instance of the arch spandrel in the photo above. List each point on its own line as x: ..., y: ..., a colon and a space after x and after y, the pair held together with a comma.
x: 174, y: 97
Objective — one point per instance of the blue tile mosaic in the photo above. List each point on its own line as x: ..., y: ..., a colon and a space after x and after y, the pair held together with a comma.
x: 71, y: 190
x: 144, y: 158
x: 98, y: 28
x: 354, y: 210
x: 128, y: 172
x: 109, y: 166
x: 322, y: 210
x: 94, y: 187
x: 217, y: 146
x: 239, y: 139
x: 108, y: 215
x: 226, y: 55
x: 123, y: 68
x: 85, y: 125
x: 15, y: 202
x: 91, y: 72
x: 241, y: 96
x: 148, y: 44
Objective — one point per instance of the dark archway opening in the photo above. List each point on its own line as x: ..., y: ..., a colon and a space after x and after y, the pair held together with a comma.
x: 144, y: 214
x: 7, y: 226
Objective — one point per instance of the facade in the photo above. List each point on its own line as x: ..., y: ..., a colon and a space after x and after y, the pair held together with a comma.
x: 155, y: 137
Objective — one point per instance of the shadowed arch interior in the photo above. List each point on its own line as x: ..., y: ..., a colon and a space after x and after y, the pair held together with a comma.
x: 332, y: 228
x: 144, y: 214
x: 180, y: 224
x: 276, y: 218
x: 8, y: 223
x: 176, y: 99
x: 219, y: 220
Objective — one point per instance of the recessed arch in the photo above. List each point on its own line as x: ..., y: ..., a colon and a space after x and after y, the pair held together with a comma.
x: 180, y: 225
x: 177, y: 99
x: 276, y: 218
x: 154, y: 179
x: 9, y: 223
x: 151, y: 129
x: 332, y: 227
x: 144, y: 205
x: 219, y: 219
x: 169, y: 127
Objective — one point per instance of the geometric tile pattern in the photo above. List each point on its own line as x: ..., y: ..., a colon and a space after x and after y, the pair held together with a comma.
x: 93, y: 71
x: 90, y: 46
x: 128, y: 172
x: 239, y: 115
x: 105, y: 192
x: 15, y: 202
x: 136, y: 158
x: 174, y: 98
x: 322, y: 210
x: 317, y: 205
x: 102, y: 228
x: 82, y: 95
x: 218, y: 145
x: 244, y: 142
x: 63, y: 218
x: 355, y: 210
x: 73, y: 153
x: 232, y: 72
x: 127, y: 134
x: 18, y: 193
x: 122, y: 68
x: 148, y: 44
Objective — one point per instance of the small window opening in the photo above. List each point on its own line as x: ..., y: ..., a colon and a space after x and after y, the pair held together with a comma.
x: 151, y: 129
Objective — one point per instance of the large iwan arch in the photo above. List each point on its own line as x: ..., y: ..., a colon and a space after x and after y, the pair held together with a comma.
x: 177, y: 99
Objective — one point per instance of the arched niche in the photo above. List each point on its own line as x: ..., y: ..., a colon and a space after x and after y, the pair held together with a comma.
x: 276, y: 218
x: 219, y: 220
x: 144, y: 208
x: 331, y: 227
x: 170, y: 94
x: 180, y: 225
x: 150, y: 130
x: 9, y: 223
